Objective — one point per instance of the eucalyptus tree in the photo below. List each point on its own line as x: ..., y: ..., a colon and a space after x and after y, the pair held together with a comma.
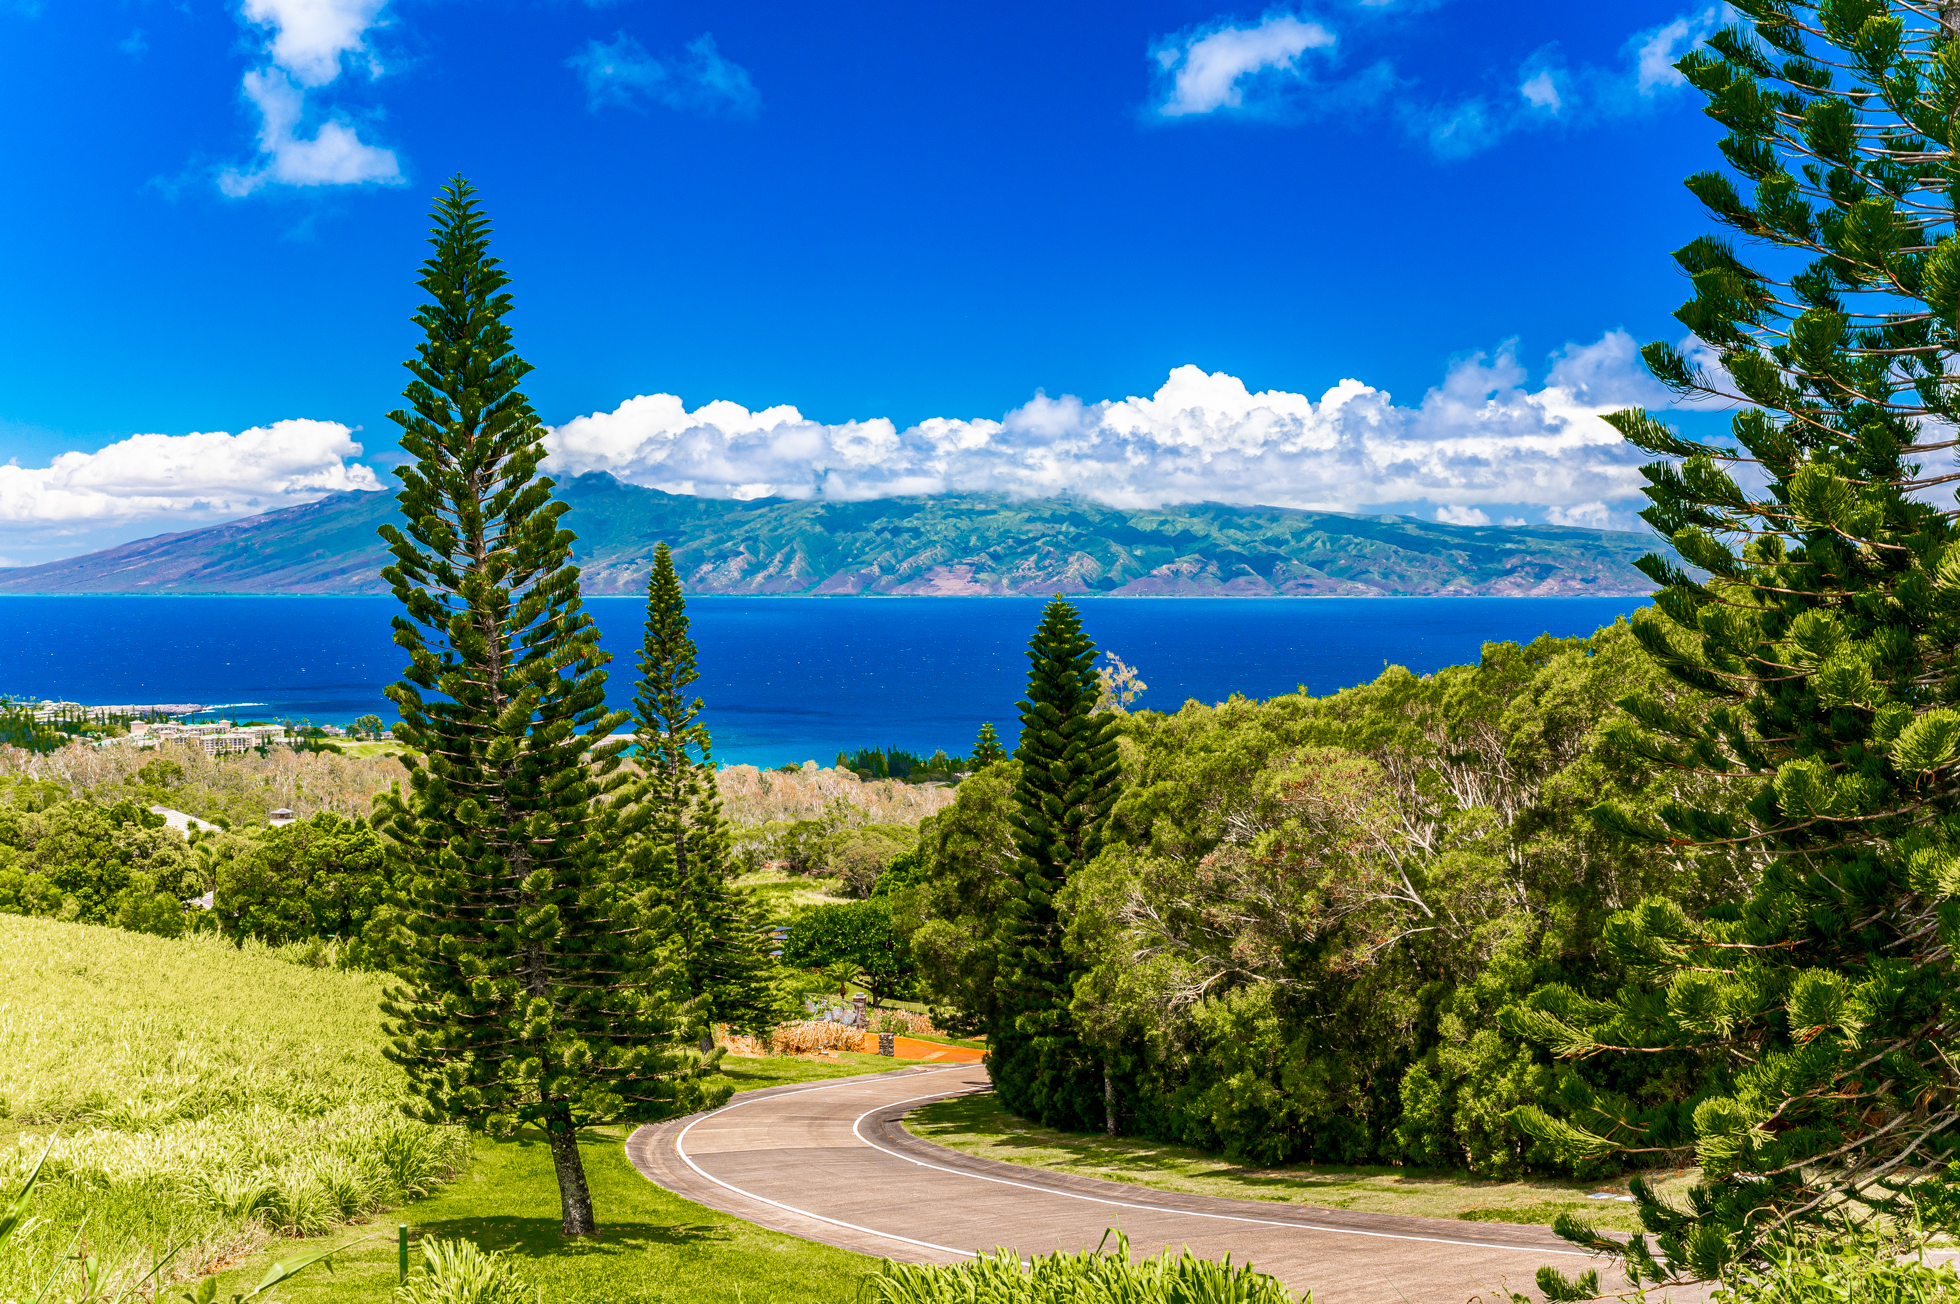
x: 1819, y: 605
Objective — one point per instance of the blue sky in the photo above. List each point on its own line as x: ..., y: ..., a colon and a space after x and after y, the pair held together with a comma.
x: 905, y: 222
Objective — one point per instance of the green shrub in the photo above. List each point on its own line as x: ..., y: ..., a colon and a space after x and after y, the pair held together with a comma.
x: 1857, y: 1269
x: 1098, y: 1276
x: 458, y: 1272
x: 854, y: 936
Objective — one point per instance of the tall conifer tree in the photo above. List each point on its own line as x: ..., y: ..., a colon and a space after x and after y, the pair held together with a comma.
x: 531, y: 992
x: 1068, y: 782
x: 722, y: 933
x: 1821, y: 1014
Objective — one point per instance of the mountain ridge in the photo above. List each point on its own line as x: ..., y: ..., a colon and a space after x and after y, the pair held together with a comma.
x: 946, y: 545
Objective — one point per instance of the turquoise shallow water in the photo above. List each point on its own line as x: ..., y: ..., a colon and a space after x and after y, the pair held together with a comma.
x: 785, y: 679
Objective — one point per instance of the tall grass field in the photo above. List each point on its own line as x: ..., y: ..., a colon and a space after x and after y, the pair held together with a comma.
x: 198, y: 1098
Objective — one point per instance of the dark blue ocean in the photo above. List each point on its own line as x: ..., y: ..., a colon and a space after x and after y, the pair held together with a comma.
x: 785, y: 679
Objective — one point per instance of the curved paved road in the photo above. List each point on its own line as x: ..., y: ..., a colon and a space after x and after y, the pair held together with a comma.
x: 829, y: 1162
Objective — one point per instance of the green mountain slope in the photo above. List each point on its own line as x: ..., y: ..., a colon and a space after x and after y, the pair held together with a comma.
x: 953, y: 546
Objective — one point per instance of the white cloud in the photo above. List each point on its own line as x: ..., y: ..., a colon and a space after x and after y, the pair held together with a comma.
x: 1483, y: 438
x: 620, y: 73
x: 1210, y: 68
x: 1551, y: 93
x: 200, y: 475
x: 1655, y: 52
x: 310, y: 36
x: 1541, y: 91
x: 309, y: 40
x: 1452, y: 514
x: 334, y: 156
x: 1590, y: 516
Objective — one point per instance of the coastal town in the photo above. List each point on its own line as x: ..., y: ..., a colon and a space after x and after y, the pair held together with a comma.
x: 150, y: 724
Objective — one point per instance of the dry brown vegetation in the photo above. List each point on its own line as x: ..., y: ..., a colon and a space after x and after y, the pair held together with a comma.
x: 243, y: 788
x: 809, y: 1038
x: 815, y: 1036
x: 240, y: 788
x: 751, y: 796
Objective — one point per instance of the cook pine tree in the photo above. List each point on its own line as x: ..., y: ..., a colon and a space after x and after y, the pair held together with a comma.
x: 721, y: 934
x: 1068, y: 781
x: 1813, y: 592
x: 532, y: 992
x: 987, y: 748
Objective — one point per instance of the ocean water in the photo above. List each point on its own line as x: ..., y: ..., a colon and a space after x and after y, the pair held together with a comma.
x: 785, y: 679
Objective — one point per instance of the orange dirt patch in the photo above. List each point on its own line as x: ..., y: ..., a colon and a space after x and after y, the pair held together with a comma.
x: 913, y: 1049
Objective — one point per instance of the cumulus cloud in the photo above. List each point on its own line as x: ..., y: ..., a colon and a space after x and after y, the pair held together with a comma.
x: 1483, y: 438
x: 621, y: 74
x: 199, y: 475
x: 1216, y: 66
x: 1592, y: 516
x: 309, y: 42
x: 310, y: 36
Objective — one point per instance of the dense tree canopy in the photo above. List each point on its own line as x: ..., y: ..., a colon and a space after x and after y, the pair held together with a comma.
x: 857, y: 935
x: 316, y: 878
x: 1310, y: 910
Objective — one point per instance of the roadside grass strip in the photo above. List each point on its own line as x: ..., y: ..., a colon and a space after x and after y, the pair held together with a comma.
x: 977, y: 1125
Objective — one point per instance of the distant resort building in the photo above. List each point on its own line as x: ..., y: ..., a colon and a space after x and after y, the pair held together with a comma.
x: 154, y: 723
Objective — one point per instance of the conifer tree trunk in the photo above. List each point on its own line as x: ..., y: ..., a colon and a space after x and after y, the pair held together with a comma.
x: 574, y: 1195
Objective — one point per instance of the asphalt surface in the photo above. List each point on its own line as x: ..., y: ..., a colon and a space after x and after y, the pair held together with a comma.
x: 830, y: 1162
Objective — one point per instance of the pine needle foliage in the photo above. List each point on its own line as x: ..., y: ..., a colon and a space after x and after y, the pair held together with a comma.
x: 1819, y: 605
x: 1067, y: 783
x: 531, y: 987
x: 722, y: 933
x: 987, y: 748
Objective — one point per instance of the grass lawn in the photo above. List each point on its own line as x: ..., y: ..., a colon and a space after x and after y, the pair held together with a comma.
x: 652, y: 1246
x: 372, y: 749
x: 789, y: 895
x: 978, y: 1125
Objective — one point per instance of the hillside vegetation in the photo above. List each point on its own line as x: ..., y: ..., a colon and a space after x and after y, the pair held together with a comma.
x: 956, y: 545
x: 196, y: 1096
x: 1309, y: 911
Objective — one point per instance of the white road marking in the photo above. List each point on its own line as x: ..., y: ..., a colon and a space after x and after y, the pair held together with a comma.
x: 681, y: 1150
x: 1188, y: 1213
